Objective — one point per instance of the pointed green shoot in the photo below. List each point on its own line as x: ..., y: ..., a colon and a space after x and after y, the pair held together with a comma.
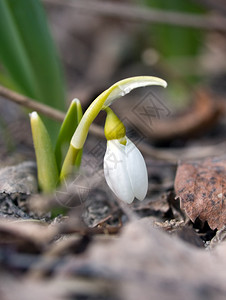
x: 45, y: 158
x: 68, y: 127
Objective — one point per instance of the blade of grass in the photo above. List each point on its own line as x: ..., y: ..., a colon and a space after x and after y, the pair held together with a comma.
x: 6, y: 81
x: 28, y: 54
x: 68, y: 127
x: 12, y: 52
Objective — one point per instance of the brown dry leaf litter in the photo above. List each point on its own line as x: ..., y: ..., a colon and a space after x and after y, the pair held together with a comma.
x: 92, y: 255
x: 200, y: 185
x: 140, y: 263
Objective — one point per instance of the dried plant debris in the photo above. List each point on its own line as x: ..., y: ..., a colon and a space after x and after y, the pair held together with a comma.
x: 89, y: 255
x: 16, y: 184
x: 140, y: 263
x: 24, y: 236
x: 201, y: 187
x: 218, y: 238
x: 18, y: 180
x: 147, y: 263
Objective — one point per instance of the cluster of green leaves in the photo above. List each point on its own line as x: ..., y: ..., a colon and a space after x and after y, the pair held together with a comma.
x: 28, y: 58
x: 50, y: 160
x: 29, y: 64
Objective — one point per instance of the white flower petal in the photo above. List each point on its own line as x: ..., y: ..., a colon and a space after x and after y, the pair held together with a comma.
x: 115, y: 170
x: 137, y: 170
x: 125, y: 86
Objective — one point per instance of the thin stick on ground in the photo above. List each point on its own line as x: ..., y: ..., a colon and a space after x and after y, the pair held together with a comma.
x: 135, y: 13
x: 42, y: 108
x: 31, y: 104
x: 172, y: 155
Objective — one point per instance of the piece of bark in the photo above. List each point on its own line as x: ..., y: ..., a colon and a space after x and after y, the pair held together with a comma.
x: 200, y: 186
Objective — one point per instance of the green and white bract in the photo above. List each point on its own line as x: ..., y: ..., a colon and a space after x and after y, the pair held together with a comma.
x: 125, y: 170
x: 117, y: 90
x: 102, y: 102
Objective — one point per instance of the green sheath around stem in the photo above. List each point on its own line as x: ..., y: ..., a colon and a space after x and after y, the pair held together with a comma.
x: 69, y: 162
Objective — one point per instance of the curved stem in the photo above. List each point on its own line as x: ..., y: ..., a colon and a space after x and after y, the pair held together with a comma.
x: 105, y: 99
x: 91, y: 113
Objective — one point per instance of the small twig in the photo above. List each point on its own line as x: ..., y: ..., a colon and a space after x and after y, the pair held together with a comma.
x: 218, y: 6
x: 172, y: 155
x: 31, y: 104
x: 134, y: 13
x: 92, y: 231
x: 42, y: 108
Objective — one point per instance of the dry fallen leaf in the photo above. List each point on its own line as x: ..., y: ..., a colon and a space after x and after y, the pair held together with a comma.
x: 200, y: 185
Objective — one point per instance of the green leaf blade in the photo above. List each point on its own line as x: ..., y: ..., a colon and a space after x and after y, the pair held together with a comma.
x: 28, y: 54
x: 48, y: 175
x: 68, y: 127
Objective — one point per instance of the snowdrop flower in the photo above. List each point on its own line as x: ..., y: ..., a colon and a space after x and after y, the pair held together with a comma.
x: 125, y: 170
x: 102, y: 102
x: 124, y: 166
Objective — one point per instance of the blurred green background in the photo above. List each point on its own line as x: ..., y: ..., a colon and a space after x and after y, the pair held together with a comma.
x: 47, y: 45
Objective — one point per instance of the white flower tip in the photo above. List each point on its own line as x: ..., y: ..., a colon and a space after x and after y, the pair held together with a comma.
x: 76, y: 101
x: 128, y: 200
x: 125, y: 86
x: 143, y: 196
x: 164, y: 83
x: 33, y: 115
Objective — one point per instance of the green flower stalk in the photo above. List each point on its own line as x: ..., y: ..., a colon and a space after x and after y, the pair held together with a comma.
x: 105, y: 99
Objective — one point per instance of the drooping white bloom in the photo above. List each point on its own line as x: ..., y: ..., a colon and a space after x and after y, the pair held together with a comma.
x: 125, y: 170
